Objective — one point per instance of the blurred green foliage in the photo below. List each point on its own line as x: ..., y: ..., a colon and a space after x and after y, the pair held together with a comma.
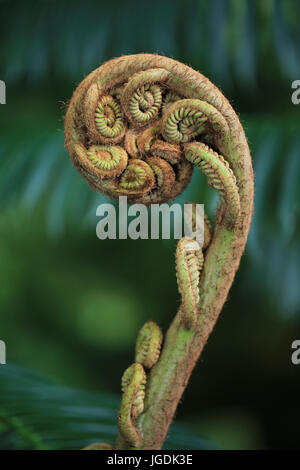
x: 71, y: 305
x: 37, y: 414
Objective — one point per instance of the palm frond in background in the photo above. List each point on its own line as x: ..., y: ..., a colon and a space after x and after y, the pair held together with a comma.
x: 241, y: 45
x: 37, y: 414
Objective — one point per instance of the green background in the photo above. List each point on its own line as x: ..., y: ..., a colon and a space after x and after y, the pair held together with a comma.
x: 71, y: 305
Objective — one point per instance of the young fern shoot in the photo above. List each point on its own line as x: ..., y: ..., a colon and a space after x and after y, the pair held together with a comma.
x: 138, y: 126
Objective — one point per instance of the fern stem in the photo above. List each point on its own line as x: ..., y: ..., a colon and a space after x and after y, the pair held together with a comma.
x: 168, y: 118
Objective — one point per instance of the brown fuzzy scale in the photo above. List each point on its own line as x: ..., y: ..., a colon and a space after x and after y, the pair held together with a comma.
x: 170, y: 152
x: 136, y: 83
x: 130, y: 143
x: 90, y: 104
x: 147, y: 137
x: 165, y: 176
x: 184, y: 171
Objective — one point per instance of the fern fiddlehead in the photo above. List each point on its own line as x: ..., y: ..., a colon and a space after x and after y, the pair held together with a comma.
x: 108, y: 119
x: 134, y: 380
x: 137, y: 126
x: 189, y: 264
x: 148, y: 344
x: 132, y: 404
x: 107, y: 161
x: 142, y: 96
x: 219, y: 176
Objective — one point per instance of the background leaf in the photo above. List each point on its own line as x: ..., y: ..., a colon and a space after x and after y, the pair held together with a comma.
x: 36, y: 414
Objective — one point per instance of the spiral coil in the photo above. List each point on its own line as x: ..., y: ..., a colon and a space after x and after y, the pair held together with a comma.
x: 127, y: 127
